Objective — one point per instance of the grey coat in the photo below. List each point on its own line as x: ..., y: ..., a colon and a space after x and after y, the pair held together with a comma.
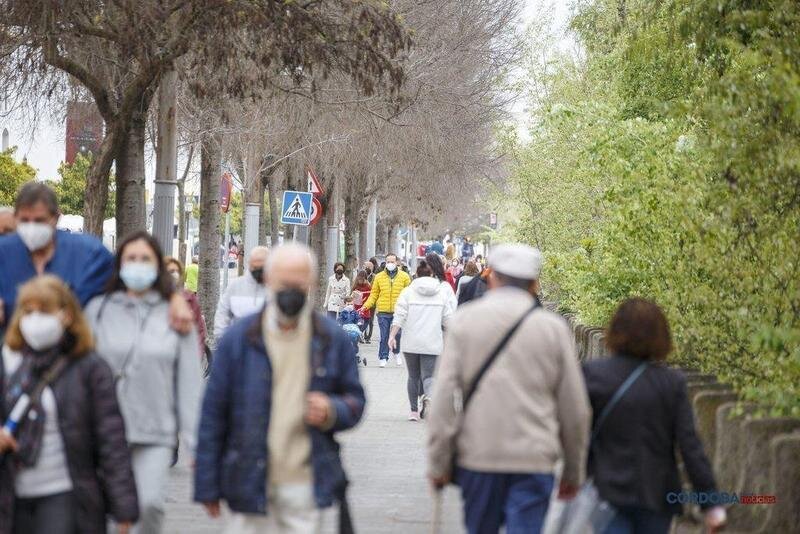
x: 159, y: 379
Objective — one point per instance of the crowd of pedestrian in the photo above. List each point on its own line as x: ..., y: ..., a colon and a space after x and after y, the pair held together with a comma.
x: 101, y: 383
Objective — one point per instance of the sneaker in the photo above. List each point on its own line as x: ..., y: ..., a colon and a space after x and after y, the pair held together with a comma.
x: 413, y: 416
x: 399, y: 360
x: 383, y: 363
x: 426, y: 406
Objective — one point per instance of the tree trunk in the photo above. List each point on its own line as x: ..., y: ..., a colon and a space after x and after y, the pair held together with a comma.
x: 352, y: 222
x: 96, y: 194
x: 362, y: 242
x: 208, y: 281
x: 130, y: 202
x: 393, y: 243
x: 381, y: 237
x: 264, y: 214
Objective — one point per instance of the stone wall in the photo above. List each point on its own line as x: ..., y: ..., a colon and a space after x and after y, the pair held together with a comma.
x: 750, y: 455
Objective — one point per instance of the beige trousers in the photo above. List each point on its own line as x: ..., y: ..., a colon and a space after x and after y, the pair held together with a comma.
x: 291, y: 510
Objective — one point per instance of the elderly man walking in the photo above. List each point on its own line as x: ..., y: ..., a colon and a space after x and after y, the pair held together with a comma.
x: 510, y: 398
x: 244, y: 295
x: 283, y: 382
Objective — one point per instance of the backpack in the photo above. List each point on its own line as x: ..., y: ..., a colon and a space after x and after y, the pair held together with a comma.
x: 474, y: 289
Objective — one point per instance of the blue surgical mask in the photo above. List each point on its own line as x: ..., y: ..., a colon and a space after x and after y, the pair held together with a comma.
x: 138, y: 276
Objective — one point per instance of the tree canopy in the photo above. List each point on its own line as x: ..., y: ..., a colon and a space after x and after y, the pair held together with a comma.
x: 665, y: 162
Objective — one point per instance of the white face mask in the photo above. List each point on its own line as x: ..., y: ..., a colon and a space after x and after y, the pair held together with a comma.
x: 138, y: 276
x: 41, y: 330
x: 35, y: 235
x: 391, y: 267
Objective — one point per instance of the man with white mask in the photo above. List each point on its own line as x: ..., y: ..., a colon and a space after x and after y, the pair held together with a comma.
x: 244, y: 295
x: 81, y: 261
x: 386, y: 289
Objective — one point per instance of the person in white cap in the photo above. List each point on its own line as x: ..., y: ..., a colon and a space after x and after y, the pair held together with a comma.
x: 511, y: 401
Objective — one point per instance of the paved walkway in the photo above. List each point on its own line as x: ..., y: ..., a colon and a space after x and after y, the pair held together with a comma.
x: 385, y: 460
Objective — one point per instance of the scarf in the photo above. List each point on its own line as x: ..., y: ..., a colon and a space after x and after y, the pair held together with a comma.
x: 28, y: 375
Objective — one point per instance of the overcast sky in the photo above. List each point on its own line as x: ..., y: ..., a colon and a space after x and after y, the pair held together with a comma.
x: 45, y: 149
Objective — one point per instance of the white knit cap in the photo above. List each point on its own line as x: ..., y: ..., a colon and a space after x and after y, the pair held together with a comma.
x: 516, y: 260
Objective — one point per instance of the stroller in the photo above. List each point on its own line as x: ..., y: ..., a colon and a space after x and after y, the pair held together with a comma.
x: 351, y: 323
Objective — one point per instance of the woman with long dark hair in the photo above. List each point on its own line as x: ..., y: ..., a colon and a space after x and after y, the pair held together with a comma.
x: 157, y: 370
x: 436, y: 265
x: 422, y: 312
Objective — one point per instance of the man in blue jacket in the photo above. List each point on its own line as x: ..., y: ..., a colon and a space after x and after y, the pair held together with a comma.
x: 282, y: 383
x: 81, y: 261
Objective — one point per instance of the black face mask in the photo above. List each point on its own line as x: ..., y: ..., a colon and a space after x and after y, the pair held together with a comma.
x: 258, y: 275
x: 290, y: 301
x: 339, y: 274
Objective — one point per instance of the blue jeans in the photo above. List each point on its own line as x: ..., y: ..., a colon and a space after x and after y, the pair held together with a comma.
x: 492, y: 499
x: 633, y: 520
x: 385, y: 324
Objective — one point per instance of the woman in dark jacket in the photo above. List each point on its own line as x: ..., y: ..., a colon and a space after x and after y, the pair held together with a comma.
x: 632, y: 459
x: 68, y: 468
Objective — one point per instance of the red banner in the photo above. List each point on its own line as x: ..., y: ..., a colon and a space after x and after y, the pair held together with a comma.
x: 225, y: 192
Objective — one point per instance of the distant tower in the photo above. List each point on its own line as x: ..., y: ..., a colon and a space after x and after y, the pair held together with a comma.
x: 4, y: 141
x: 84, y: 129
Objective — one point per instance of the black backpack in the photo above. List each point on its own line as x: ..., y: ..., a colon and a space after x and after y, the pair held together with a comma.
x: 473, y: 289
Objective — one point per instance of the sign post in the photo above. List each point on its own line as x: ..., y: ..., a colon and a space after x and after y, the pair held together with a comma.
x: 225, y: 194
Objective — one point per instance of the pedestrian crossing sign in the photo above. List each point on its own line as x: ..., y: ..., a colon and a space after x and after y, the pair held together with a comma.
x: 296, y: 208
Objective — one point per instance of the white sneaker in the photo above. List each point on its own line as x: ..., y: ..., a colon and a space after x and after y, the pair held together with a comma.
x: 413, y: 416
x: 383, y: 363
x: 399, y: 360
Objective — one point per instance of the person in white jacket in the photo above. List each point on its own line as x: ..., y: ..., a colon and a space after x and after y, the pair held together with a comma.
x: 244, y: 295
x: 422, y: 312
x: 338, y: 289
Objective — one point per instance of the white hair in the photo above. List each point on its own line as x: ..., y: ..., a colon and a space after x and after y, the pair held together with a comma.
x: 258, y: 250
x: 293, y: 250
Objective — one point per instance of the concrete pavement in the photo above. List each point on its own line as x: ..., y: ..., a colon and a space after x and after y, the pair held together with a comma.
x: 384, y: 457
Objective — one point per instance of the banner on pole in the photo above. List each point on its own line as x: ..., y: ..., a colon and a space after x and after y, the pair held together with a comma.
x: 225, y: 192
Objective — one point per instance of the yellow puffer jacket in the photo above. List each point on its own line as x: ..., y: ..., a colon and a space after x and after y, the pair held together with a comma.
x: 385, y: 291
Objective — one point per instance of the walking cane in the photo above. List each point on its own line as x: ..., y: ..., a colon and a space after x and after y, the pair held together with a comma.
x: 436, y: 521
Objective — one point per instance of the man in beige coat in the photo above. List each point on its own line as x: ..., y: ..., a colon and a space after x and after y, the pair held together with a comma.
x: 529, y: 409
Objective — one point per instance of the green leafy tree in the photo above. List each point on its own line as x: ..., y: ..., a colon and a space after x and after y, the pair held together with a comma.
x: 667, y: 165
x: 12, y: 176
x: 71, y: 188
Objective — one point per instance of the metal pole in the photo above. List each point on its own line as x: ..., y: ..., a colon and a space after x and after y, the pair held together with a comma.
x: 227, y: 239
x: 414, y: 246
x: 251, y: 229
x: 332, y: 250
x: 166, y: 163
x: 372, y: 221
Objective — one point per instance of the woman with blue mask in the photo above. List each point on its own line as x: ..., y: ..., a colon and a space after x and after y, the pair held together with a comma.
x: 157, y: 371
